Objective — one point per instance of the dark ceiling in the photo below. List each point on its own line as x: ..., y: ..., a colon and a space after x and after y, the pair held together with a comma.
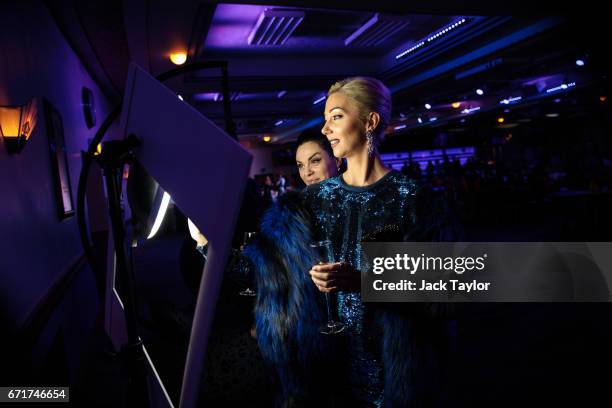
x: 435, y: 53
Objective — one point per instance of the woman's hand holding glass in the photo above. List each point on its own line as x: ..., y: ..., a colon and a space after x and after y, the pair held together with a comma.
x: 337, y: 276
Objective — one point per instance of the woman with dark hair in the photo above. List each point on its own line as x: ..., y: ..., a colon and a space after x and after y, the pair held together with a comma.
x: 314, y: 158
x: 390, y: 356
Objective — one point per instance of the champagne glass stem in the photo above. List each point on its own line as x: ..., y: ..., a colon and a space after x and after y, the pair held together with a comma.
x: 330, y: 321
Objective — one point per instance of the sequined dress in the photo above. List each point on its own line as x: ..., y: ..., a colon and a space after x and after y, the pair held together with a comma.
x: 348, y: 216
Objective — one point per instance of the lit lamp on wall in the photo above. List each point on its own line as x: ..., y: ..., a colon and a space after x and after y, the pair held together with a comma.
x: 16, y: 125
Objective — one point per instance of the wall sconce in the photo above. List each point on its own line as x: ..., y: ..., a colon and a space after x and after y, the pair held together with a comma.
x: 16, y: 125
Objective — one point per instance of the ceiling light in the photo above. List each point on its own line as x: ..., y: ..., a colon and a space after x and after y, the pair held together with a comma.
x: 321, y: 99
x: 178, y: 58
x: 561, y: 87
x: 510, y: 100
x: 446, y: 30
x: 431, y: 38
x: 470, y: 110
x: 409, y: 50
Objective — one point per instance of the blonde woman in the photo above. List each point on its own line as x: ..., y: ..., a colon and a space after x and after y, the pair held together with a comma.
x: 389, y: 357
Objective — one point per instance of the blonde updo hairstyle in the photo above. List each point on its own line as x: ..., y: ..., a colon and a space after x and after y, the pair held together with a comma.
x: 370, y: 95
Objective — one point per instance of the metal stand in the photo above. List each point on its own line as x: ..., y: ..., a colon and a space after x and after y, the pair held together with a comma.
x: 112, y: 160
x: 115, y: 155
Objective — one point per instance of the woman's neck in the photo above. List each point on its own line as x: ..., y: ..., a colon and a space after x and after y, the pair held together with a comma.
x: 363, y: 169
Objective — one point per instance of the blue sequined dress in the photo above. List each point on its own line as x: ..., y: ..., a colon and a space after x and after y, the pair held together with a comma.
x: 348, y: 216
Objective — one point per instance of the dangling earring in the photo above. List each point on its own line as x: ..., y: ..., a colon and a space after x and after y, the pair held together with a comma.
x: 371, y: 145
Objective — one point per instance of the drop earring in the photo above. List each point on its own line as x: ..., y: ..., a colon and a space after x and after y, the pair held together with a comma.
x: 371, y: 145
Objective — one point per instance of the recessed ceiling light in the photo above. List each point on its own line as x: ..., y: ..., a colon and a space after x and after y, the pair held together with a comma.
x: 178, y: 58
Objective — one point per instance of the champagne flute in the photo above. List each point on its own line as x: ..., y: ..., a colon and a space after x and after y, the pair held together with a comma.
x: 248, y: 237
x: 324, y: 254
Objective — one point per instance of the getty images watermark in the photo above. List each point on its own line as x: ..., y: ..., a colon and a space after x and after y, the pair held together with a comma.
x: 486, y: 271
x: 412, y: 264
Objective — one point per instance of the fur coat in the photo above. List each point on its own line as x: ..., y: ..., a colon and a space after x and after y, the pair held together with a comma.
x: 414, y: 346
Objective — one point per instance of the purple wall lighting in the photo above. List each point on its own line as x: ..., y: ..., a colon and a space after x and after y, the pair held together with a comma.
x: 422, y: 157
x: 214, y: 96
x: 206, y: 96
